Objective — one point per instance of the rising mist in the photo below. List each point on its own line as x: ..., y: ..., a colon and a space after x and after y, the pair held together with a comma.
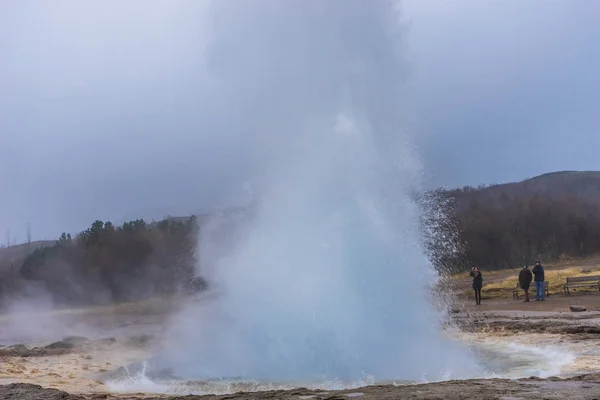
x: 329, y: 280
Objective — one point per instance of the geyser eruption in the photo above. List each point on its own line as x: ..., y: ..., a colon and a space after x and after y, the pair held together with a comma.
x: 329, y: 279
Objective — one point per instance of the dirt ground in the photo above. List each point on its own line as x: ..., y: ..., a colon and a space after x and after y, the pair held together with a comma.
x: 72, y: 349
x: 582, y: 387
x: 556, y: 303
x: 67, y: 355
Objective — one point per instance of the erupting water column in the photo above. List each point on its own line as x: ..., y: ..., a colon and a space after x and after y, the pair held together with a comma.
x: 329, y: 280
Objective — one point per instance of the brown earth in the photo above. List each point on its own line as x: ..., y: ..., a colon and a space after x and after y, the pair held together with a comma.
x: 581, y: 387
x: 555, y: 303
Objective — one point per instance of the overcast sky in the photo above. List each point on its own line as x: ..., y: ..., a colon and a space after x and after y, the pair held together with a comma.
x: 120, y: 109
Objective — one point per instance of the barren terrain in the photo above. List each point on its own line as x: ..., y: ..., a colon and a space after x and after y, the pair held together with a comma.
x: 47, y: 354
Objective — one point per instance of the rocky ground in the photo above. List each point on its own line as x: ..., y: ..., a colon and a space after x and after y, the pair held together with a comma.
x: 72, y: 352
x: 581, y: 387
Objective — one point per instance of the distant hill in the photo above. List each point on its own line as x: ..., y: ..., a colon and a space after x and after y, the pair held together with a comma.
x: 584, y: 185
x: 552, y: 216
x: 16, y: 254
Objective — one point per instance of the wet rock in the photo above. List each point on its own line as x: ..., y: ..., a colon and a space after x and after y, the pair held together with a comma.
x: 578, y: 308
x: 60, y: 345
x: 18, y: 347
x: 109, y: 340
x: 54, y: 349
x: 76, y: 340
x: 585, y: 386
x: 18, y: 350
x: 27, y: 391
x: 139, y: 340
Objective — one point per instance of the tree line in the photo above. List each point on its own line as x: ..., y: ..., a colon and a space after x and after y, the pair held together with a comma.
x: 494, y: 227
x: 106, y: 264
x: 501, y: 229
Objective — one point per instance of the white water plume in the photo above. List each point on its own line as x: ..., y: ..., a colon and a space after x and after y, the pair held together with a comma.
x: 329, y: 279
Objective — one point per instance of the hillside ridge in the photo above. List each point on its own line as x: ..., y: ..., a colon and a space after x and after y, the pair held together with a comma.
x: 578, y: 184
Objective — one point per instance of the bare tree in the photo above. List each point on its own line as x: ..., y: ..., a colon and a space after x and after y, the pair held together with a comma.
x: 28, y: 237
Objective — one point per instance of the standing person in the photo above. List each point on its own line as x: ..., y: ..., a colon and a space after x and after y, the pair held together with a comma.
x: 477, y: 284
x: 525, y: 278
x: 538, y: 277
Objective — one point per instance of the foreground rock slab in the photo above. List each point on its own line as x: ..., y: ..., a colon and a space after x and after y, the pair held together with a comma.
x: 581, y: 387
x: 578, y: 308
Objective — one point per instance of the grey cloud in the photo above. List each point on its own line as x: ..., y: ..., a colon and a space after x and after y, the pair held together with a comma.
x: 143, y: 108
x: 506, y: 90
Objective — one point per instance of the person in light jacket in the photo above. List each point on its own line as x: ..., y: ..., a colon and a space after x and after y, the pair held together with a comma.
x: 538, y: 278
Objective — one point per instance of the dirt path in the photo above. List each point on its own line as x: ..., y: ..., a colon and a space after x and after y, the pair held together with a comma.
x: 555, y: 303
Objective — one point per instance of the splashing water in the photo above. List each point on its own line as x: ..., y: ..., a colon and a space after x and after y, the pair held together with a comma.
x: 517, y: 357
x: 502, y: 357
x: 328, y: 281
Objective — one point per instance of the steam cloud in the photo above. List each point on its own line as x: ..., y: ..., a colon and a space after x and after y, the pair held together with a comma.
x: 329, y: 279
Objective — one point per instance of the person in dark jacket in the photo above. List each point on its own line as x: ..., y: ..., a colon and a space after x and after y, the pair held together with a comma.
x: 538, y: 278
x: 477, y: 284
x: 525, y: 278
